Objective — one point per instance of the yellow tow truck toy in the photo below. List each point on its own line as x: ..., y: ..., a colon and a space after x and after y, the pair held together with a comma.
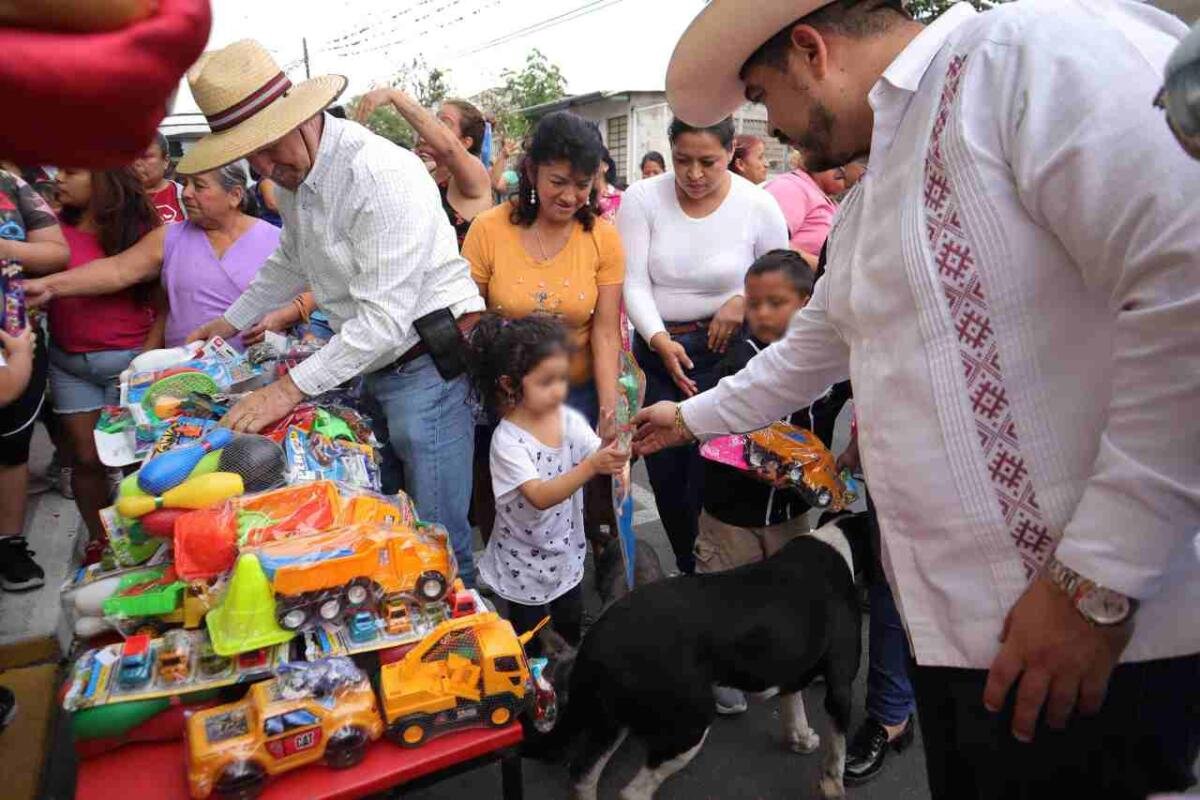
x: 468, y: 672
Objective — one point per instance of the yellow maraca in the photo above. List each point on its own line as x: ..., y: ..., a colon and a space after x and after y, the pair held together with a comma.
x: 201, y: 492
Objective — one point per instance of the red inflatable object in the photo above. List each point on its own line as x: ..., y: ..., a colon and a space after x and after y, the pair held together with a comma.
x: 95, y: 99
x: 203, y: 550
x: 161, y: 523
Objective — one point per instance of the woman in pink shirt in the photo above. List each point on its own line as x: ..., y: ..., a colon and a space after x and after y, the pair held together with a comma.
x: 807, y: 209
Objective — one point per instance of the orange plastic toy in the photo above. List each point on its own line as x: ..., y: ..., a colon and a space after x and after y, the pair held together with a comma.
x: 354, y: 568
x: 467, y: 672
x: 798, y: 455
x: 233, y: 748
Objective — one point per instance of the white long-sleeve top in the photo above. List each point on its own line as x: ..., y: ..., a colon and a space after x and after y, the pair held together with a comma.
x: 1014, y: 290
x: 367, y: 233
x: 682, y: 269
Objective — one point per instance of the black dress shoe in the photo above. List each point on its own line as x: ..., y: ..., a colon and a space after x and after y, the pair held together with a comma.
x: 868, y: 749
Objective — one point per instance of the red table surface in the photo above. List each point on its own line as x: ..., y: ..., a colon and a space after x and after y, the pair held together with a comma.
x: 159, y: 769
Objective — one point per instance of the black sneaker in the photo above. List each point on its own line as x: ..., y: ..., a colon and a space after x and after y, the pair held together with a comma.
x: 18, y: 571
x: 8, y: 706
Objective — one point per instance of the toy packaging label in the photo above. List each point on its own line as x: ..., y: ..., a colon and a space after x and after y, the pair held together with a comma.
x: 313, y: 456
x: 130, y: 548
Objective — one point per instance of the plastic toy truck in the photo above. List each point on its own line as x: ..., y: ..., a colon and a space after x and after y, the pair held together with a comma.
x: 233, y: 748
x: 354, y: 568
x: 396, y: 617
x: 174, y: 658
x: 468, y: 672
x: 800, y: 457
x: 134, y: 670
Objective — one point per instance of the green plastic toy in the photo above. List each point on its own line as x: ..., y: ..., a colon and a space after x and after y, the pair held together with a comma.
x: 332, y: 427
x: 146, y: 593
x: 245, y: 618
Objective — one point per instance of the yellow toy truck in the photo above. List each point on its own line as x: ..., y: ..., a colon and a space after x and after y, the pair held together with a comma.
x: 333, y: 574
x: 328, y: 713
x: 468, y: 672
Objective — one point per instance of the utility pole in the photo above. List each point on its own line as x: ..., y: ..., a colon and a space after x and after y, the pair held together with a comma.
x: 307, y: 72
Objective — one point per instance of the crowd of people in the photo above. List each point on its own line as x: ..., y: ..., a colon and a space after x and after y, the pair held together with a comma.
x: 944, y: 247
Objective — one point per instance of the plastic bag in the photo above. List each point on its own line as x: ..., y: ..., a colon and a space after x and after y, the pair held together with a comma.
x: 207, y: 542
x: 316, y: 456
x: 631, y: 392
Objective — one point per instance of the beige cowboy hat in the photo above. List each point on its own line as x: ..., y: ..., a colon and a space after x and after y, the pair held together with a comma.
x: 249, y: 103
x: 703, y: 79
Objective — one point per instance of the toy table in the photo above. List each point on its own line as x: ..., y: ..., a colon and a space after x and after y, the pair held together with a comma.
x: 157, y: 770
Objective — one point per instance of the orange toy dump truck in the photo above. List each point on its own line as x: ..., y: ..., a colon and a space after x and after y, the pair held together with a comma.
x: 355, y: 568
x: 467, y: 672
x: 233, y: 748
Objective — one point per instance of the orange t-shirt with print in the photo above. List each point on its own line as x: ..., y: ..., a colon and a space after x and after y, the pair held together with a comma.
x: 567, y: 285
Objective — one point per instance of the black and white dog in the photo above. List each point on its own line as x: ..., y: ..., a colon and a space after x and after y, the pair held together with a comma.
x: 648, y: 665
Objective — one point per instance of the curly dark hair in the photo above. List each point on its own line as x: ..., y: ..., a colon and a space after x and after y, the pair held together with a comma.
x: 511, y: 348
x: 560, y: 136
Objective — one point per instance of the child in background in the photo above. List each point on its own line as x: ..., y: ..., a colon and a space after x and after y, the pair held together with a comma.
x: 542, y: 455
x: 744, y: 519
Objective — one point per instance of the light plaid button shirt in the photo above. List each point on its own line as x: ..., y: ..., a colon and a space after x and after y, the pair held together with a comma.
x: 367, y: 233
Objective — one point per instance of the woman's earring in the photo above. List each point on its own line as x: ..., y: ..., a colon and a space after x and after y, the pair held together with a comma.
x: 532, y: 196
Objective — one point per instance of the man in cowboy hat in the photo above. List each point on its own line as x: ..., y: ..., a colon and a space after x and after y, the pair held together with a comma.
x: 1013, y: 290
x: 365, y: 230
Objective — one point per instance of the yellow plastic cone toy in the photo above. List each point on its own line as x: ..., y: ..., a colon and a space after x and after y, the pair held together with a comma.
x: 245, y: 618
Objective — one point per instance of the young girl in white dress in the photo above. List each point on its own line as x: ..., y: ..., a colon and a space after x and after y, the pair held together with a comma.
x: 542, y: 454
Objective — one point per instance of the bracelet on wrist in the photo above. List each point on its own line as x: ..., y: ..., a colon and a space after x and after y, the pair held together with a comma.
x: 681, y: 425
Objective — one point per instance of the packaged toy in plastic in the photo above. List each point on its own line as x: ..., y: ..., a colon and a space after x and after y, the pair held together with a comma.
x: 468, y: 672
x: 316, y: 456
x: 207, y: 541
x: 325, y: 711
x: 631, y: 392
x: 783, y: 453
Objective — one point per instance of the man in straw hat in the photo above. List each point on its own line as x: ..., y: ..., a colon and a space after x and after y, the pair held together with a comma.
x: 1013, y: 290
x: 364, y: 229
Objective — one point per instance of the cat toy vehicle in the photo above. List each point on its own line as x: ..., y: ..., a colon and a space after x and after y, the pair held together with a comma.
x: 798, y: 456
x: 232, y: 749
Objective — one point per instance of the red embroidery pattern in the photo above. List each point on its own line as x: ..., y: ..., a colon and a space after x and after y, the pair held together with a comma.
x: 961, y: 285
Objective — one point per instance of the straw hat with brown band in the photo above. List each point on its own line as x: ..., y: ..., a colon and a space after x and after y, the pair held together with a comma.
x: 249, y: 103
x: 704, y: 82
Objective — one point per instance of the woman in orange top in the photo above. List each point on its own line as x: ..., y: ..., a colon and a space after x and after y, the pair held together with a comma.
x: 547, y: 250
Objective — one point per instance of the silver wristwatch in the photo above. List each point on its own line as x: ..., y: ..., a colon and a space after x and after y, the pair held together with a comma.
x: 1098, y: 605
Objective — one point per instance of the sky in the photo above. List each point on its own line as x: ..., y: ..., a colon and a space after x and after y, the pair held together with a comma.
x: 598, y: 44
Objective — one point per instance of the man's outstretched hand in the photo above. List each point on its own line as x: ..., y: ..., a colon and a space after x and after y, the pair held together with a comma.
x: 1062, y: 661
x: 260, y: 408
x: 657, y: 430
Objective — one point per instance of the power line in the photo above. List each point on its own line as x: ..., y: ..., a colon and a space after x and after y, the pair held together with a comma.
x: 537, y: 27
x: 347, y: 52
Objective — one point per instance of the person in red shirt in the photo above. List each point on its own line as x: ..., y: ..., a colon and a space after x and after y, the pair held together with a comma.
x: 151, y: 169
x: 93, y: 339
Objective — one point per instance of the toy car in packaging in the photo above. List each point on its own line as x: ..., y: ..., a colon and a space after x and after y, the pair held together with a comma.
x: 135, y: 666
x: 468, y: 672
x: 174, y: 657
x: 312, y: 712
x: 321, y: 577
x: 799, y: 456
x: 313, y: 456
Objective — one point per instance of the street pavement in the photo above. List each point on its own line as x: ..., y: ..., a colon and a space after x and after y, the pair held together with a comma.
x: 744, y: 757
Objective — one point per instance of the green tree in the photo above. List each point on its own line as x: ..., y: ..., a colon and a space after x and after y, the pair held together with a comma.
x: 539, y: 81
x: 926, y: 10
x: 427, y: 85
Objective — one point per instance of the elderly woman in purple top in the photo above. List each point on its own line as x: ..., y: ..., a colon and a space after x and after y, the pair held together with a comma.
x: 204, y: 263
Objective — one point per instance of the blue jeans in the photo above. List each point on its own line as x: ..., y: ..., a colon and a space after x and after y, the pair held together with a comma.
x: 431, y: 430
x: 890, y: 698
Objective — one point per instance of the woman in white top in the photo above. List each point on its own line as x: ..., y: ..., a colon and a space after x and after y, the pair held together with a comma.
x: 689, y: 236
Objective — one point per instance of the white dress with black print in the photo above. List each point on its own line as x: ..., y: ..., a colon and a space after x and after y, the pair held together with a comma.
x: 536, y: 556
